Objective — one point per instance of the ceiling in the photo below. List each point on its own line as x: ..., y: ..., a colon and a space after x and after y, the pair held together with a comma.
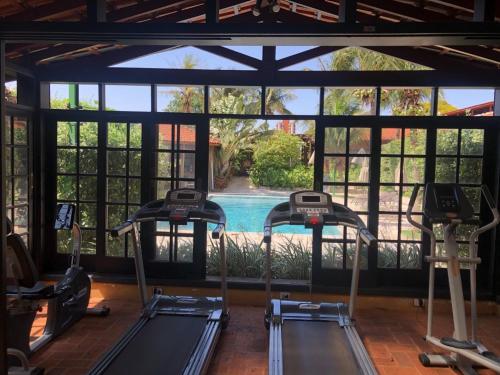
x: 238, y: 11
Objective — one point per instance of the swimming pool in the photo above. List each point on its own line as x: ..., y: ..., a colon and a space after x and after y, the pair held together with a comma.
x: 246, y: 213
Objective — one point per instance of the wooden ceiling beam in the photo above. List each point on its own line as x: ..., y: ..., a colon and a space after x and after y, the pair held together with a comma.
x: 48, y: 11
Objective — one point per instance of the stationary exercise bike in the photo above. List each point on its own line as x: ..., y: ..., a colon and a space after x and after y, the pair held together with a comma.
x: 67, y: 300
x: 447, y: 204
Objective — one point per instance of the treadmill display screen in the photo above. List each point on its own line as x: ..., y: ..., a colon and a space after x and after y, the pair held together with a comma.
x: 311, y: 198
x: 185, y: 196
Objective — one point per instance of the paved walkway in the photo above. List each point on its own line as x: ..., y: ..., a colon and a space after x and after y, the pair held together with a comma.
x: 243, y: 185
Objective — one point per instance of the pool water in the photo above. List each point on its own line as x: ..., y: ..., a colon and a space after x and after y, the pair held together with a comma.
x: 246, y: 213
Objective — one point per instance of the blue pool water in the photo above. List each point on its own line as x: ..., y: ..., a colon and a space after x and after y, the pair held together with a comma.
x: 245, y: 213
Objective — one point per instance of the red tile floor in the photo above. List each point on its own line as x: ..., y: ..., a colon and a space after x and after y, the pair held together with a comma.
x: 393, y: 339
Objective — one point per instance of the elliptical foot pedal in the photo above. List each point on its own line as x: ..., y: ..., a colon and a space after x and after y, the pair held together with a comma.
x: 435, y: 360
x: 454, y: 343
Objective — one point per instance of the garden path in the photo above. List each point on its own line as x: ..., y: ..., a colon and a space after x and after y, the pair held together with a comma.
x: 243, y: 185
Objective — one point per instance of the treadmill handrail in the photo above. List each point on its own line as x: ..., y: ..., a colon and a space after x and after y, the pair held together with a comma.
x: 155, y: 210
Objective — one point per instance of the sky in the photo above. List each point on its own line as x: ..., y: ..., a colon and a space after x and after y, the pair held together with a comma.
x: 306, y: 102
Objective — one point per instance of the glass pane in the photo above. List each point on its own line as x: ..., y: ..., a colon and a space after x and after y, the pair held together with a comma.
x: 389, y: 198
x: 446, y: 169
x: 465, y: 102
x: 20, y: 129
x: 88, y: 97
x: 20, y: 190
x: 88, y: 215
x: 88, y: 134
x: 66, y: 160
x: 359, y: 169
x: 164, y: 167
x: 414, y: 170
x: 66, y: 187
x: 162, y: 187
x: 21, y: 219
x: 116, y: 189
x: 66, y: 133
x: 62, y: 96
x: 186, y: 163
x: 117, y: 134
x: 357, y: 199
x: 64, y: 242
x: 470, y: 171
x: 337, y: 193
x: 241, y: 100
x: 474, y: 196
x: 20, y: 161
x: 405, y: 102
x: 408, y: 231
x: 347, y: 101
x: 163, y: 248
x: 390, y: 168
x: 11, y: 91
x: 387, y: 255
x: 185, y: 99
x: 335, y: 140
x: 88, y: 161
x: 128, y: 98
x: 295, y: 101
x: 472, y: 142
x: 115, y: 215
x: 8, y: 160
x: 359, y: 140
x: 89, y: 242
x: 410, y: 256
x: 415, y: 141
x: 184, y: 249
x: 135, y: 135
x: 88, y: 188
x: 187, y: 137
x: 447, y: 141
x: 115, y: 246
x: 165, y: 136
x: 391, y: 141
x: 334, y: 169
x: 8, y: 195
x: 332, y: 255
x: 388, y: 227
x: 134, y: 190
x: 351, y: 251
x: 134, y: 166
x: 407, y: 191
x: 117, y: 163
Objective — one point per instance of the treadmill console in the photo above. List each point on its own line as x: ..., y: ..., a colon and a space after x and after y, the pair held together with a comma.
x: 309, y: 207
x: 65, y: 216
x: 444, y: 202
x: 180, y: 202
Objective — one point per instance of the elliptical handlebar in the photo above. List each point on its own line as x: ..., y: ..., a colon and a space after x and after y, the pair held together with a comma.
x: 416, y: 224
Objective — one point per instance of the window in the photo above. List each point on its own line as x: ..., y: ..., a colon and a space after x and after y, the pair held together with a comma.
x: 292, y: 101
x: 408, y: 101
x: 134, y: 98
x: 11, y: 91
x: 402, y: 164
x: 123, y: 181
x: 465, y: 102
x: 74, y: 96
x: 459, y: 159
x: 175, y: 168
x: 185, y: 99
x: 235, y: 100
x: 77, y: 144
x: 17, y: 160
x: 350, y: 101
x: 346, y: 176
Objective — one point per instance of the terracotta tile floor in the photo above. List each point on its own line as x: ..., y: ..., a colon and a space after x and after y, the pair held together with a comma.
x: 393, y: 339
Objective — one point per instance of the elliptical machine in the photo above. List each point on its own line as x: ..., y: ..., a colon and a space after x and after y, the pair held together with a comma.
x: 67, y: 300
x: 447, y: 204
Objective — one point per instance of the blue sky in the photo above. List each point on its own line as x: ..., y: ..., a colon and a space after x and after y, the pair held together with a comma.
x: 306, y: 100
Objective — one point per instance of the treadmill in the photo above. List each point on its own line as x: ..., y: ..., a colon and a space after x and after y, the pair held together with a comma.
x: 305, y: 337
x: 175, y: 334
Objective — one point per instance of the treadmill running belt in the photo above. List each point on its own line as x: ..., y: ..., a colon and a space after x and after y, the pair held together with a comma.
x: 163, y: 346
x: 315, y: 347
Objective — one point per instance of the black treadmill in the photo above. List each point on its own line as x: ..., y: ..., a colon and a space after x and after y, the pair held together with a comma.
x: 305, y: 337
x: 175, y: 334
